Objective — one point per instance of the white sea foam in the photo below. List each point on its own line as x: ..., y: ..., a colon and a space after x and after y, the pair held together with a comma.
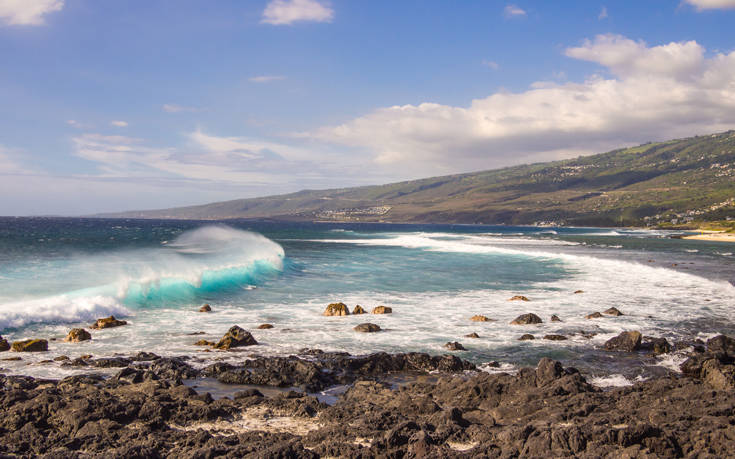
x: 610, y: 381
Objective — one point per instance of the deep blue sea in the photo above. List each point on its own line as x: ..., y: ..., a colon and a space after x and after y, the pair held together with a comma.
x: 60, y: 273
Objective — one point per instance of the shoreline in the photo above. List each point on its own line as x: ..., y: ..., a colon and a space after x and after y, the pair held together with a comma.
x: 393, y: 405
x: 712, y: 237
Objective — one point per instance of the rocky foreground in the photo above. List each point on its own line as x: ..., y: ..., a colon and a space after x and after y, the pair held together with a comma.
x: 149, y: 409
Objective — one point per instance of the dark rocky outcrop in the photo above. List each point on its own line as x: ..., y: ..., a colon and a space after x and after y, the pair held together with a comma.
x: 472, y: 335
x: 555, y: 318
x: 204, y: 342
x: 578, y: 291
x: 612, y: 312
x: 526, y: 337
x: 235, y: 337
x: 455, y: 346
x: 265, y: 326
x: 555, y: 337
x: 382, y: 310
x: 628, y: 341
x: 205, y: 308
x: 594, y: 315
x: 479, y: 318
x: 107, y: 322
x: 77, y: 335
x: 30, y: 345
x: 527, y: 319
x: 4, y: 345
x: 518, y: 298
x: 367, y: 328
x: 337, y: 309
x: 655, y: 345
x: 359, y: 310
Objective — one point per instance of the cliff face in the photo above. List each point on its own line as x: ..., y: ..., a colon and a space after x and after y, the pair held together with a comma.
x: 651, y: 183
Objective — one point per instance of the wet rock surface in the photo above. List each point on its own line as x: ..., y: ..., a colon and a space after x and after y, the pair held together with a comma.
x: 145, y: 410
x: 30, y: 345
x: 4, y: 345
x: 77, y: 335
x: 236, y: 337
x: 337, y: 309
x: 367, y: 328
x: 107, y: 322
x: 527, y: 319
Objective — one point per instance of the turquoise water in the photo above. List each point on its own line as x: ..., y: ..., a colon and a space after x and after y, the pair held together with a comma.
x: 56, y: 274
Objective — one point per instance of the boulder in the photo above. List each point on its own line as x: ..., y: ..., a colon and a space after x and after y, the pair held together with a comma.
x: 479, y: 318
x: 359, y: 310
x: 455, y: 346
x: 30, y: 345
x: 382, y: 310
x: 612, y: 312
x: 527, y: 319
x: 472, y: 335
x: 578, y: 291
x: 107, y: 322
x: 77, y: 335
x: 519, y: 298
x: 718, y: 376
x: 4, y: 345
x: 626, y: 341
x: 265, y: 326
x: 555, y: 337
x: 656, y: 345
x: 205, y: 308
x: 337, y: 309
x: 367, y: 328
x: 526, y: 337
x: 594, y: 315
x: 555, y: 318
x: 236, y: 337
x: 204, y: 342
x: 723, y: 344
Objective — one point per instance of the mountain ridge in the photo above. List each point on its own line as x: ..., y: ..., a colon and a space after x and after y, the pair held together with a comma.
x: 650, y: 184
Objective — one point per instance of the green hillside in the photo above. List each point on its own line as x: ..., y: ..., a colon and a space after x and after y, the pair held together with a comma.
x: 653, y: 184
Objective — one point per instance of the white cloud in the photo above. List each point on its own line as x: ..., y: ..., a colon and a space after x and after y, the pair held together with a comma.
x: 174, y: 108
x: 603, y: 13
x: 27, y: 12
x: 491, y: 64
x: 119, y: 123
x: 712, y: 4
x: 512, y: 11
x: 653, y: 93
x: 77, y: 124
x: 286, y: 12
x: 266, y: 78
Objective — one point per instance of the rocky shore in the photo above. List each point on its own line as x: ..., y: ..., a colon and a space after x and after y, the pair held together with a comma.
x: 388, y: 405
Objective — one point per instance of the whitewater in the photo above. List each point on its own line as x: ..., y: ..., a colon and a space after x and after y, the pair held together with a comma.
x: 56, y: 274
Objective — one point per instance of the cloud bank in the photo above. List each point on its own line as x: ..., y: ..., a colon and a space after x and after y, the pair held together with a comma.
x: 27, y: 12
x: 712, y: 4
x: 641, y: 93
x: 287, y: 12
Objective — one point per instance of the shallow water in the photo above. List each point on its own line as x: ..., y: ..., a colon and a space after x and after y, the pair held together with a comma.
x: 56, y: 274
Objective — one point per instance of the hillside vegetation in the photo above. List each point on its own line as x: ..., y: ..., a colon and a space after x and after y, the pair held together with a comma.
x: 657, y: 183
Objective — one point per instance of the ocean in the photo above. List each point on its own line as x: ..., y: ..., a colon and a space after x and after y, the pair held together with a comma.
x: 61, y: 273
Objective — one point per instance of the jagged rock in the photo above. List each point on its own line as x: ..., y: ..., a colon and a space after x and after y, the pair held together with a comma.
x: 721, y: 343
x: 236, y: 337
x: 382, y: 310
x: 265, y: 326
x: 717, y: 375
x: 628, y: 341
x: 61, y: 358
x: 204, y: 342
x: 205, y: 308
x: 555, y: 318
x: 4, y: 345
x: 594, y: 315
x: 455, y: 346
x: 30, y: 345
x: 526, y: 337
x: 479, y: 318
x: 555, y: 337
x: 107, y: 322
x: 518, y: 298
x: 337, y: 309
x: 77, y: 335
x: 527, y: 319
x: 367, y: 328
x: 472, y: 335
x: 359, y: 310
x: 612, y: 312
x: 578, y: 291
x: 656, y: 345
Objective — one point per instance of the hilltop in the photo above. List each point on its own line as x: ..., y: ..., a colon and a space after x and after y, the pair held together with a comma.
x: 652, y: 184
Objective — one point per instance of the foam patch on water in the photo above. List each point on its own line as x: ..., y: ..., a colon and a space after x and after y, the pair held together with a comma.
x: 610, y: 381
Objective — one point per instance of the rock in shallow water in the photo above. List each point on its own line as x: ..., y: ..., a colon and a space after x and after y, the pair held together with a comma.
x: 359, y: 310
x: 479, y: 318
x: 205, y: 308
x: 30, y: 345
x: 367, y: 328
x: 519, y: 298
x: 527, y: 319
x: 265, y: 326
x: 236, y: 337
x: 107, y: 322
x: 555, y: 318
x: 613, y: 312
x: 337, y: 309
x: 472, y: 335
x: 594, y: 315
x: 555, y: 337
x: 382, y: 310
x: 628, y: 341
x: 455, y: 346
x: 4, y: 345
x: 77, y: 335
x: 526, y: 337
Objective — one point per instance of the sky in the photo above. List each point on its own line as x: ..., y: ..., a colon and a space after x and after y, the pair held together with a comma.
x: 145, y: 104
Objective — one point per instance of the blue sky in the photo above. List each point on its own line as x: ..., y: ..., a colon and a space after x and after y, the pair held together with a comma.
x: 138, y: 104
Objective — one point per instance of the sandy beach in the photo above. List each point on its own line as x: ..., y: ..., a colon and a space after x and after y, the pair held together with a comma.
x: 710, y: 236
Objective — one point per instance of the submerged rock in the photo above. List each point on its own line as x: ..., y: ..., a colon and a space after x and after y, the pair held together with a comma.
x: 205, y: 308
x: 359, y: 310
x: 555, y: 337
x: 4, y: 345
x: 613, y: 312
x: 455, y: 346
x: 204, y: 342
x: 367, y: 328
x: 472, y: 335
x: 479, y: 318
x: 527, y: 319
x: 337, y: 309
x: 628, y: 341
x: 265, y: 326
x: 555, y: 318
x: 594, y: 315
x: 526, y: 337
x: 107, y: 322
x: 236, y: 337
x: 77, y: 335
x: 382, y: 310
x: 518, y: 298
x: 30, y: 345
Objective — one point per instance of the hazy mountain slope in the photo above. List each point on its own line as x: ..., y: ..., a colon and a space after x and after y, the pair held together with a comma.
x: 685, y: 177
